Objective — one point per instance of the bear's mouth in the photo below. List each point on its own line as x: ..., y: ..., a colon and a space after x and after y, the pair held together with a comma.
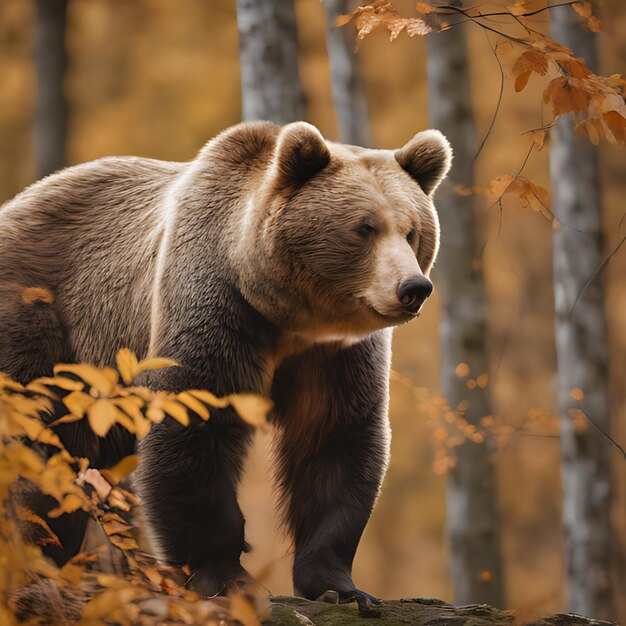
x: 395, y: 318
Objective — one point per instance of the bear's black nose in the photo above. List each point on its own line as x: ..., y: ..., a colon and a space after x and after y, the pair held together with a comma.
x: 413, y: 292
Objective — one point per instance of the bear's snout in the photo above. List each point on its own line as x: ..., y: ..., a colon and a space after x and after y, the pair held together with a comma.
x: 413, y: 292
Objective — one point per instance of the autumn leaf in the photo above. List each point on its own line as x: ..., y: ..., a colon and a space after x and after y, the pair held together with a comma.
x: 176, y: 410
x: 382, y: 14
x: 156, y: 363
x: 194, y: 404
x: 69, y: 504
x: 27, y: 515
x: 102, y: 380
x: 585, y: 10
x: 125, y: 467
x: 127, y: 365
x: 566, y: 96
x: 67, y: 384
x: 78, y: 402
x: 253, y: 409
x: 532, y: 60
x: 531, y: 195
x: 209, y: 398
x: 102, y: 414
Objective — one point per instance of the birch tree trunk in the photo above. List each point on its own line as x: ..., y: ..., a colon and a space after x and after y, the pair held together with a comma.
x: 51, y: 110
x: 581, y: 346
x: 346, y: 78
x: 268, y: 50
x: 473, y: 523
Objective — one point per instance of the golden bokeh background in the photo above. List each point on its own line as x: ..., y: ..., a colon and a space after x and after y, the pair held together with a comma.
x: 159, y: 78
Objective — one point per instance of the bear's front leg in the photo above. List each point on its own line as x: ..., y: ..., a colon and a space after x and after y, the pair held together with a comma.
x: 333, y: 452
x: 187, y: 480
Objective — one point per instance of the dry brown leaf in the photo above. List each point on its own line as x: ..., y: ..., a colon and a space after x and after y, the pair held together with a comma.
x: 27, y: 515
x: 531, y: 195
x: 532, y: 60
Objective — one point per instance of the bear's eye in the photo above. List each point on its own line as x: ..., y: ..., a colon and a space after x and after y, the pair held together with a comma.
x: 366, y: 230
x: 411, y: 237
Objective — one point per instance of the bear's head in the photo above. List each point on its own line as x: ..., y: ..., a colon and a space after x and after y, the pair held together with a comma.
x: 339, y: 240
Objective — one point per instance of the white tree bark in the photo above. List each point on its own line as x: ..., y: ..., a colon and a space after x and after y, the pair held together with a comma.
x: 346, y: 78
x: 51, y: 109
x: 473, y: 522
x: 581, y: 346
x: 268, y: 49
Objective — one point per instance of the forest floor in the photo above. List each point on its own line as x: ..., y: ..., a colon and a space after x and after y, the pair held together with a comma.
x: 288, y: 611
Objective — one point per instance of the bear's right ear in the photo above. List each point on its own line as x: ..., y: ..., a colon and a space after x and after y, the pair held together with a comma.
x: 301, y: 152
x: 427, y: 158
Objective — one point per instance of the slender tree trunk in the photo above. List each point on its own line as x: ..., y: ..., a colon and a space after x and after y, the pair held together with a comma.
x: 581, y: 346
x: 346, y: 79
x: 51, y: 109
x: 473, y: 522
x: 268, y: 47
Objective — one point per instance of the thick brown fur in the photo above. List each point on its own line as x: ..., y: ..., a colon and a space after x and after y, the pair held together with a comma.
x: 275, y: 262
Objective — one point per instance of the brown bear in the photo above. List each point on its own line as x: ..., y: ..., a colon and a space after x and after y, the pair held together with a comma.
x: 275, y: 262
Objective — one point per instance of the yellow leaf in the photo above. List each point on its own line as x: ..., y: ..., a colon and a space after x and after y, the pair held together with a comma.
x: 36, y: 431
x: 78, y: 402
x: 35, y: 387
x: 67, y: 419
x: 125, y: 467
x: 62, y: 382
x: 69, y: 504
x: 176, y: 410
x: 252, y: 408
x: 208, y: 398
x: 102, y: 415
x: 142, y: 426
x: 194, y: 404
x: 131, y: 405
x: 90, y: 374
x: 155, y: 364
x: 127, y: 365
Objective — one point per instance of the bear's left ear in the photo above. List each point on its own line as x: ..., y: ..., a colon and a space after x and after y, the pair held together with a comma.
x: 301, y: 152
x: 427, y: 158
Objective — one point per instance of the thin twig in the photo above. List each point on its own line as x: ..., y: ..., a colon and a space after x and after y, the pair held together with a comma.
x: 598, y: 270
x: 494, y: 49
x: 517, y: 175
x: 606, y: 435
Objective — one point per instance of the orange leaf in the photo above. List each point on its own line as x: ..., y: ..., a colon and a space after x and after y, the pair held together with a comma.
x: 533, y: 60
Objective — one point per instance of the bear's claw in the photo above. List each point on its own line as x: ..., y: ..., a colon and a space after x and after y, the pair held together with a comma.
x: 365, y: 601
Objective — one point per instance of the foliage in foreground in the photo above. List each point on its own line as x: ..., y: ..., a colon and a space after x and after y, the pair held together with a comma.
x: 117, y: 582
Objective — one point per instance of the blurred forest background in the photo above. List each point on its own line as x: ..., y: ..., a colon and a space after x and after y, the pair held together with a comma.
x: 158, y: 79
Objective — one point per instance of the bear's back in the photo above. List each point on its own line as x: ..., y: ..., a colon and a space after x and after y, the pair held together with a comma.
x: 90, y: 234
